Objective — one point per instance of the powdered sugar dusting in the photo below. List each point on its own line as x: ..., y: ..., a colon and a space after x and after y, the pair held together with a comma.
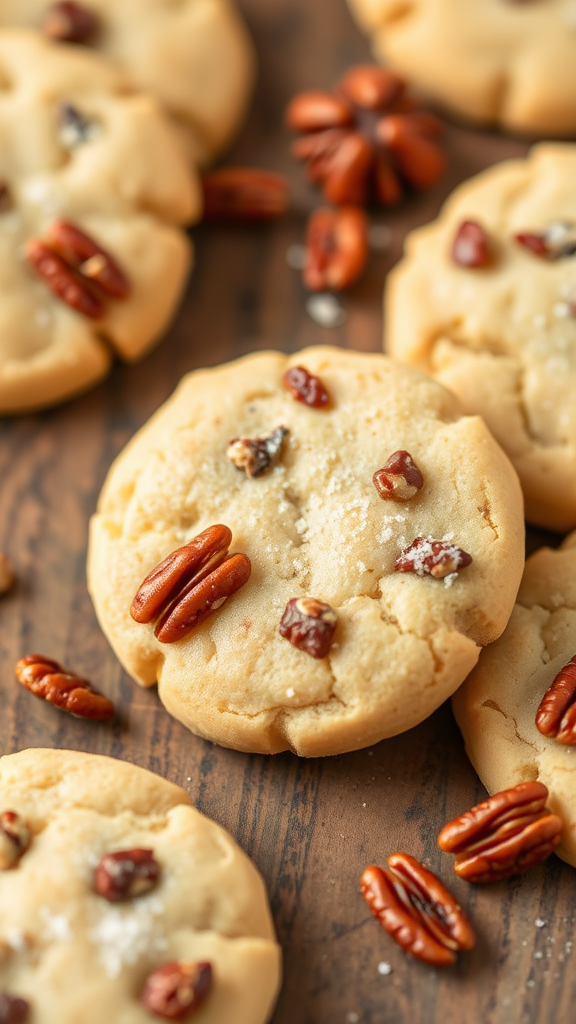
x: 125, y: 934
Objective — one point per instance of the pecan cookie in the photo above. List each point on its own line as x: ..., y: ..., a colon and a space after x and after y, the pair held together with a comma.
x: 518, y: 707
x: 93, y: 190
x: 120, y: 902
x: 306, y: 552
x: 485, y: 301
x: 506, y: 61
x: 193, y: 55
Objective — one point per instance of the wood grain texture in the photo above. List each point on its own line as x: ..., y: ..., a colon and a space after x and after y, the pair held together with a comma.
x: 311, y: 826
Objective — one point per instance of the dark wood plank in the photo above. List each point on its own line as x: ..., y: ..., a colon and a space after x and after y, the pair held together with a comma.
x: 311, y: 826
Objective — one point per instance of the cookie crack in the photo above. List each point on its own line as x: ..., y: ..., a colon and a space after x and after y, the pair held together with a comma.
x: 491, y: 705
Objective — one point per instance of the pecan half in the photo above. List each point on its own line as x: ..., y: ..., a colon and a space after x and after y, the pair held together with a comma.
x: 88, y: 257
x: 254, y: 455
x: 367, y: 139
x: 416, y: 910
x: 126, y: 874
x: 336, y: 248
x: 471, y: 247
x: 306, y: 388
x: 14, y: 839
x: 556, y: 715
x: 65, y: 282
x: 309, y: 625
x: 399, y: 478
x: 557, y: 242
x: 505, y: 835
x: 244, y: 193
x: 13, y: 1009
x: 177, y: 990
x: 69, y: 22
x: 190, y: 583
x: 6, y: 574
x: 65, y: 690
x: 427, y: 557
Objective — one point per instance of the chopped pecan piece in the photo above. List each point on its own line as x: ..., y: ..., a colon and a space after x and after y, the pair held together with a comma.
x: 336, y: 248
x: 306, y: 388
x: 13, y: 1009
x: 65, y: 690
x: 505, y: 835
x: 416, y: 910
x: 176, y: 991
x: 556, y: 715
x: 399, y: 479
x: 471, y: 247
x: 254, y: 455
x: 126, y: 874
x: 309, y: 625
x: 6, y: 575
x: 189, y: 584
x: 557, y: 242
x: 244, y: 193
x: 69, y: 22
x: 14, y: 839
x: 427, y: 557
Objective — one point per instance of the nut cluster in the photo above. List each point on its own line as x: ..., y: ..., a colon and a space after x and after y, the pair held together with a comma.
x: 47, y: 679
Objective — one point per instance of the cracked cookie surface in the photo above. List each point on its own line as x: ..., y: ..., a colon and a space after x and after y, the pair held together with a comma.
x: 70, y: 953
x: 502, y: 336
x: 495, y: 61
x: 313, y: 525
x: 497, y: 705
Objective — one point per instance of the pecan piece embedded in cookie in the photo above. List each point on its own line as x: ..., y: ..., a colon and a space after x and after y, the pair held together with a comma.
x: 437, y: 558
x: 14, y: 840
x: 254, y: 455
x: 399, y: 479
x: 309, y: 625
x: 13, y: 1009
x: 125, y: 874
x: 176, y: 990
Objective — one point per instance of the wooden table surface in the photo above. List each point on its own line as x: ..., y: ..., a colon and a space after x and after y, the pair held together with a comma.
x: 311, y: 826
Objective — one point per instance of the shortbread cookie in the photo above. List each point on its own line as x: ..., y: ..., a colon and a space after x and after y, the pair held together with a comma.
x: 497, y: 705
x: 354, y: 606
x: 79, y: 147
x: 502, y: 333
x: 107, y: 876
x: 506, y: 61
x: 194, y: 55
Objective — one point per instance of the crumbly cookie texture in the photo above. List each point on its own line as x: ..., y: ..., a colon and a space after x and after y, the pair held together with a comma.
x: 497, y: 705
x: 503, y: 336
x: 70, y: 953
x: 79, y: 146
x: 194, y: 55
x: 314, y: 526
x: 497, y: 61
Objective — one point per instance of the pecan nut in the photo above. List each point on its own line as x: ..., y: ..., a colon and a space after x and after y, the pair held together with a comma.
x: 416, y: 910
x: 556, y: 715
x: 336, y: 248
x: 65, y: 690
x: 69, y: 22
x: 13, y: 1009
x: 399, y: 478
x: 428, y: 557
x: 14, y: 839
x: 126, y: 874
x: 65, y: 282
x: 94, y: 263
x: 244, y: 193
x: 471, y: 247
x: 254, y: 455
x: 557, y: 242
x: 503, y: 836
x: 306, y: 388
x: 309, y: 625
x: 177, y: 990
x: 6, y: 574
x: 189, y: 584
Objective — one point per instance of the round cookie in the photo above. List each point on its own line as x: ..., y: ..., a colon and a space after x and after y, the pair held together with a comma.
x: 194, y: 55
x: 503, y: 336
x: 497, y: 705
x: 313, y: 526
x: 71, y: 952
x: 79, y: 146
x: 499, y: 61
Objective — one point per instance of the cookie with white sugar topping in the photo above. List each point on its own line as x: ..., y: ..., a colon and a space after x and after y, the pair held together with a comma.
x: 118, y: 887
x: 306, y: 552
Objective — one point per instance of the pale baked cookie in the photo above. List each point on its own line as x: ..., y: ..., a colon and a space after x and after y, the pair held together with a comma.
x: 78, y: 146
x: 194, y: 55
x: 497, y: 705
x: 341, y: 635
x: 506, y: 61
x: 87, y: 936
x: 502, y: 335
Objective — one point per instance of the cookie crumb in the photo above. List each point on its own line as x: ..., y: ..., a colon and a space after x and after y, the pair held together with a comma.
x: 325, y: 310
x: 384, y: 968
x: 539, y: 922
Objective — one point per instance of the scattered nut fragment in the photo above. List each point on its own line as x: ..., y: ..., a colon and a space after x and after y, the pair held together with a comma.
x: 337, y: 248
x: 176, y: 991
x: 309, y: 625
x: 399, y: 478
x: 254, y: 455
x: 13, y: 1010
x: 6, y: 575
x: 75, y: 129
x: 14, y: 839
x: 556, y: 715
x: 65, y: 690
x: 305, y: 387
x: 416, y: 910
x: 470, y: 247
x: 244, y: 193
x: 557, y: 242
x: 427, y: 557
x: 126, y: 874
x: 505, y: 835
x: 69, y: 22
